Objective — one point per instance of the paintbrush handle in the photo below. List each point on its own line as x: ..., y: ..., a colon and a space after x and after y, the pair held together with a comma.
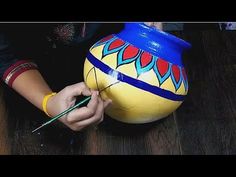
x: 63, y: 113
x: 68, y: 110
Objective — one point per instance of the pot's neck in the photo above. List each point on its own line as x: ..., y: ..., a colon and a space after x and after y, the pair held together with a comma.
x: 158, y: 43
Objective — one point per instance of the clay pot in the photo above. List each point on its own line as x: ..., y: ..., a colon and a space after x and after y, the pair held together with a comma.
x: 144, y: 68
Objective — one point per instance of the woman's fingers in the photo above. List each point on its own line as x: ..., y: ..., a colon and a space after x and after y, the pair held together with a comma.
x: 79, y: 115
x: 77, y: 89
x: 93, y: 103
x: 84, y: 112
x: 83, y: 117
x: 95, y: 119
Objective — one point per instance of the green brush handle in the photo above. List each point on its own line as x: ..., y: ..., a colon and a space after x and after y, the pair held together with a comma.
x: 63, y: 113
x: 68, y: 110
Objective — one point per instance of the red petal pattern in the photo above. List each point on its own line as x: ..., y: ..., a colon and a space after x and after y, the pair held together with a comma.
x: 115, y: 44
x: 162, y: 66
x: 130, y: 52
x: 176, y: 72
x: 146, y: 58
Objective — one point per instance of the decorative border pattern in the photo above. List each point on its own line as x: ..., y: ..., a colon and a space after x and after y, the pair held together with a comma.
x: 144, y: 61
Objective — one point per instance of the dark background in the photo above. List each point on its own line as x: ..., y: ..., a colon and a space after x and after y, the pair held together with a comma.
x: 204, y: 124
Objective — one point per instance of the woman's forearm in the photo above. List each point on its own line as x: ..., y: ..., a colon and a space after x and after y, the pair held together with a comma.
x: 31, y: 85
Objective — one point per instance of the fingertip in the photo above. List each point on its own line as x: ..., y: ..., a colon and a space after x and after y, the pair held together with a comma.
x: 94, y: 97
x: 107, y: 103
x: 87, y: 93
x: 110, y: 101
x: 95, y: 93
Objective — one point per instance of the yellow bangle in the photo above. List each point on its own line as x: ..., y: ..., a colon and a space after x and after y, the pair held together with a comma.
x: 45, y: 101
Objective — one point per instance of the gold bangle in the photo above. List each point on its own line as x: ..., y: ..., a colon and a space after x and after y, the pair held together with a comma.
x: 45, y: 101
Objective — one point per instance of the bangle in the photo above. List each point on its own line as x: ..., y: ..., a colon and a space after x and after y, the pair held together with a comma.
x: 45, y: 101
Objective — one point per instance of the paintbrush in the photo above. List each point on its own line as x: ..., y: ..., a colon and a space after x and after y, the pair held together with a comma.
x: 70, y: 109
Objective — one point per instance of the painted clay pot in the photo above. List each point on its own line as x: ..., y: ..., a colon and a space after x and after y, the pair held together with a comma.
x: 144, y: 69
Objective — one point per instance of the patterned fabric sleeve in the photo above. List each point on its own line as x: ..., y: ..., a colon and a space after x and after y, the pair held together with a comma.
x: 11, y: 66
x: 73, y: 33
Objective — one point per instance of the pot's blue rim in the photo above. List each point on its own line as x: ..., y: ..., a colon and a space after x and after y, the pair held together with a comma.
x: 163, y: 34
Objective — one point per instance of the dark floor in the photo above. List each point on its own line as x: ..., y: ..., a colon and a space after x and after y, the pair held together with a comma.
x: 204, y: 124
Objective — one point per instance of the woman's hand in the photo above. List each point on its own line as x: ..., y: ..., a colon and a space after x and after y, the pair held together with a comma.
x: 82, y: 117
x: 31, y: 85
